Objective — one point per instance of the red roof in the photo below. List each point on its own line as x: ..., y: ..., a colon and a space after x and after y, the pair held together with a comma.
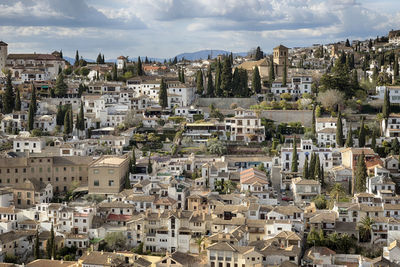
x: 118, y: 217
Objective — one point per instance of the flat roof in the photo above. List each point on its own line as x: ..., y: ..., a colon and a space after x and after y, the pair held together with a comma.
x: 108, y: 161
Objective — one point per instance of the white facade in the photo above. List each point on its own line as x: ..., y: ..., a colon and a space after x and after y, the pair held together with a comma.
x: 245, y: 126
x: 33, y: 145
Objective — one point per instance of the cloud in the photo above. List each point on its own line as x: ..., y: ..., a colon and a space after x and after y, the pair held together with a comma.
x: 61, y: 13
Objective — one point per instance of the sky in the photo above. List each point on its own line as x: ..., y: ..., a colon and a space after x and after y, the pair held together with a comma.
x: 165, y: 28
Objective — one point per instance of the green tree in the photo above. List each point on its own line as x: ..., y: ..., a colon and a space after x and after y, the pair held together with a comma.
x: 311, y: 168
x: 133, y: 162
x: 163, y: 95
x: 259, y: 53
x: 214, y: 146
x: 361, y: 134
x: 396, y: 67
x: 36, y: 250
x: 386, y: 105
x: 149, y: 167
x: 76, y: 63
x: 337, y: 192
x: 349, y: 140
x: 284, y: 78
x: 271, y: 71
x: 81, y: 118
x: 295, y: 160
x: 8, y: 96
x: 81, y: 88
x: 339, y: 130
x: 361, y: 174
x: 226, y: 77
x: 31, y: 117
x: 199, y: 83
x: 61, y: 86
x: 50, y: 243
x: 322, y: 176
x: 114, y: 73
x: 317, y: 168
x: 67, y: 123
x: 373, y: 140
x: 139, y: 67
x: 256, y: 81
x: 200, y: 242
x: 365, y: 229
x: 115, y: 241
x: 183, y: 76
x: 313, y: 127
x: 305, y: 169
x: 17, y: 105
x: 210, y: 84
x: 218, y: 90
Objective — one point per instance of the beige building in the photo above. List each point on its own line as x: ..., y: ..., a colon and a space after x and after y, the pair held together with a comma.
x: 61, y: 172
x: 32, y: 192
x: 280, y: 54
x: 107, y: 174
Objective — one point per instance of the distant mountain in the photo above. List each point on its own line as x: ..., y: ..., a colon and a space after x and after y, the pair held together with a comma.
x: 72, y: 60
x: 203, y: 54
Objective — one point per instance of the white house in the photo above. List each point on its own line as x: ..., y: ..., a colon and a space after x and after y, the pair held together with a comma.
x: 305, y: 190
x: 31, y: 144
x: 245, y: 126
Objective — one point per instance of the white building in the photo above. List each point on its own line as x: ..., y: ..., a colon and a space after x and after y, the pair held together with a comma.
x: 326, y: 130
x: 31, y: 144
x: 245, y: 126
x: 297, y: 86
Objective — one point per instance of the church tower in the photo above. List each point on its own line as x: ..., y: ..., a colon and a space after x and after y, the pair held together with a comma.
x: 3, y: 56
x: 281, y: 54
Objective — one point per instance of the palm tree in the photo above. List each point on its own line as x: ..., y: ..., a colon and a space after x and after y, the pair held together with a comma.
x: 337, y: 191
x: 200, y: 242
x: 346, y: 243
x: 218, y: 185
x: 333, y: 240
x: 228, y: 186
x: 365, y: 228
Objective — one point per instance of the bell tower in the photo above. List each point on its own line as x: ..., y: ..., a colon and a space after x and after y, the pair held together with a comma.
x: 3, y: 56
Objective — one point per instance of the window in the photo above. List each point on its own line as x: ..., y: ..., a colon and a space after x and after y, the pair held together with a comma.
x: 95, y: 171
x: 110, y: 182
x: 110, y: 171
x: 96, y: 182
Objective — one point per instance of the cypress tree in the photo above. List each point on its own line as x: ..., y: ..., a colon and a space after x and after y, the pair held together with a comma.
x: 139, y: 67
x: 259, y: 53
x: 210, y: 84
x: 163, y: 96
x: 199, y: 83
x: 396, y: 67
x: 71, y: 119
x: 60, y: 115
x: 149, y: 166
x: 102, y: 59
x: 284, y: 78
x: 313, y: 127
x: 179, y: 75
x: 8, y: 96
x: 361, y: 174
x: 311, y: 168
x: 295, y: 159
x: 67, y: 121
x: 256, y: 81
x: 98, y: 60
x: 218, y: 90
x: 349, y: 140
x: 76, y: 63
x: 305, y: 169
x: 317, y: 170
x: 133, y: 162
x: 339, y: 130
x: 243, y: 83
x: 361, y: 135
x: 31, y: 117
x: 114, y: 73
x: 80, y: 90
x: 77, y: 122
x: 226, y: 77
x: 33, y: 98
x: 322, y: 176
x: 373, y: 140
x: 17, y: 101
x: 386, y: 106
x: 235, y: 83
x: 61, y: 86
x: 81, y: 118
x: 36, y: 250
x: 50, y: 243
x: 183, y: 75
x: 271, y: 71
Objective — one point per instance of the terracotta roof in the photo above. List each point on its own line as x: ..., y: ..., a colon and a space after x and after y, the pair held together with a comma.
x: 51, y: 263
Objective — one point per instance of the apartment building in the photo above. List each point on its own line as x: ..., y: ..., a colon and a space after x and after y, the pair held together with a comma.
x: 245, y: 126
x: 61, y: 172
x: 107, y: 175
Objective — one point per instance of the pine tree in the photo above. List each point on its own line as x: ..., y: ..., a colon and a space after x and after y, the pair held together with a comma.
x: 76, y: 63
x: 8, y: 96
x: 226, y: 77
x: 199, y: 83
x: 17, y: 101
x: 256, y: 81
x: 305, y: 169
x: 386, y: 105
x: 339, y: 130
x: 163, y: 96
x: 361, y: 174
x: 61, y: 86
x: 218, y: 90
x: 36, y: 250
x: 295, y: 159
x: 81, y: 119
x: 67, y: 125
x: 284, y: 78
x: 139, y: 67
x: 210, y: 84
x: 317, y: 170
x: 361, y: 135
x: 349, y: 140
